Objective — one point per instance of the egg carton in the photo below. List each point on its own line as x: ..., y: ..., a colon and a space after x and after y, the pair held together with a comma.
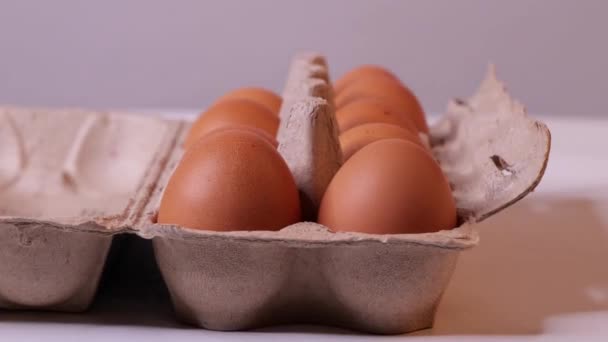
x: 71, y: 181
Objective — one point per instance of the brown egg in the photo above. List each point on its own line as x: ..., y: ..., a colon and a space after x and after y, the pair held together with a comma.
x: 231, y: 180
x: 260, y: 95
x: 397, y: 96
x: 269, y: 138
x: 364, y: 72
x: 390, y: 186
x: 371, y: 110
x: 230, y: 113
x: 358, y: 137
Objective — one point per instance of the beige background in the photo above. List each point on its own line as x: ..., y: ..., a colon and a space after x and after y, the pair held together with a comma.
x: 180, y: 54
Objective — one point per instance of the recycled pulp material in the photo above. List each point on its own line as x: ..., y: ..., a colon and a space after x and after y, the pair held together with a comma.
x: 71, y: 180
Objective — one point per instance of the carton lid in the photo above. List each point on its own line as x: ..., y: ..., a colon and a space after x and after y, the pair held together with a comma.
x: 491, y: 151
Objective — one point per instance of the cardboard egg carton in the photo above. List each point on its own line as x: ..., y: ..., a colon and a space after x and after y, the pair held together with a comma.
x: 70, y: 181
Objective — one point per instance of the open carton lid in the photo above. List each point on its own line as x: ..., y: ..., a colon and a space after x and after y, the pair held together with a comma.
x: 79, y: 170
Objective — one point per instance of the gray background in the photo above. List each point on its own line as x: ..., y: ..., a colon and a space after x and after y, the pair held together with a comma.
x: 184, y: 53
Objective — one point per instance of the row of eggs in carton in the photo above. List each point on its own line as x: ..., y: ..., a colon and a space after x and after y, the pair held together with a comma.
x: 232, y: 177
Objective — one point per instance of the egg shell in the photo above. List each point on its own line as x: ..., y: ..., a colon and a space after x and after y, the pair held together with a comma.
x: 390, y: 186
x: 358, y: 137
x: 231, y: 180
x: 56, y: 232
x: 362, y: 73
x: 262, y: 133
x: 231, y: 113
x: 371, y: 110
x: 261, y: 96
x: 393, y: 94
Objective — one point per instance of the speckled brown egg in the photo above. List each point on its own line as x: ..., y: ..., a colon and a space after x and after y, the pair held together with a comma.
x: 371, y: 110
x: 358, y: 137
x: 393, y: 94
x: 390, y: 186
x: 231, y: 113
x: 231, y: 180
x: 262, y: 96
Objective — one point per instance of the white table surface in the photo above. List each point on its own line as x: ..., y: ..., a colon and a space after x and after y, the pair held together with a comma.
x: 539, y: 274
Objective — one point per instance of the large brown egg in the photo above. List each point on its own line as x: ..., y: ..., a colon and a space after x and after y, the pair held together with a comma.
x: 395, y: 95
x: 262, y: 96
x: 231, y: 180
x: 358, y: 137
x: 362, y: 73
x: 370, y: 110
x: 389, y: 187
x: 230, y: 113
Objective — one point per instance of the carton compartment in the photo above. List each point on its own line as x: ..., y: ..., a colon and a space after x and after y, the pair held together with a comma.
x: 238, y: 284
x: 46, y: 268
x: 491, y: 153
x: 69, y: 164
x: 69, y: 180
